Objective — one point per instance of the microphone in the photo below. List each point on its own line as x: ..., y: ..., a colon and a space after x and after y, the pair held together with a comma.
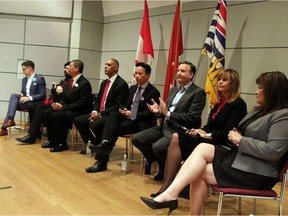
x: 181, y: 128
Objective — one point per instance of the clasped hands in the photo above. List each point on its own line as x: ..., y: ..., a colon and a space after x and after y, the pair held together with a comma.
x: 234, y: 136
x: 125, y: 112
x: 56, y: 106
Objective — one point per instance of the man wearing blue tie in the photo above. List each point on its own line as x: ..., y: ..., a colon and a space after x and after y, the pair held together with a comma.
x: 33, y: 90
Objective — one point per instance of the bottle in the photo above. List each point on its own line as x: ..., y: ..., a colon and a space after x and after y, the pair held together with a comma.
x: 124, y: 165
x: 147, y: 168
x: 88, y: 150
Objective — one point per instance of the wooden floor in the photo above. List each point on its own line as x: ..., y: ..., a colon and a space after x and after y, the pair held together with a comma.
x: 44, y: 183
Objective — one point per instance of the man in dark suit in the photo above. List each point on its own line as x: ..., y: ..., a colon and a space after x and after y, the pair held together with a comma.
x: 75, y: 101
x: 183, y: 107
x: 133, y: 117
x: 35, y: 131
x: 112, y: 94
x: 33, y: 90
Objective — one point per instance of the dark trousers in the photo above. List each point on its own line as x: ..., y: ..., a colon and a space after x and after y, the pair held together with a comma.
x: 83, y: 127
x: 58, y: 123
x: 116, y: 125
x: 38, y: 119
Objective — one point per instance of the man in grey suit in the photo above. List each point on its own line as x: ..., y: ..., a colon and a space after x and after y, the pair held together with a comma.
x: 33, y: 90
x: 183, y: 107
x: 110, y: 100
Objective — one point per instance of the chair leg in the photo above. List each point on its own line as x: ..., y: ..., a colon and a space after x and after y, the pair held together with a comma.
x: 255, y: 206
x: 239, y: 206
x: 142, y: 165
x: 220, y: 203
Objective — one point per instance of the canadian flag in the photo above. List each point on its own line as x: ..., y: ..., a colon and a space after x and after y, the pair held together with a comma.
x: 145, y: 51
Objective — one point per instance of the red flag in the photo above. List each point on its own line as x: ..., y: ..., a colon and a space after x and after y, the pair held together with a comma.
x: 175, y: 50
x: 145, y: 51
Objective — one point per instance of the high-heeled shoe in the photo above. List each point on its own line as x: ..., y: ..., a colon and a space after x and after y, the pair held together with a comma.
x: 156, y: 194
x: 172, y: 204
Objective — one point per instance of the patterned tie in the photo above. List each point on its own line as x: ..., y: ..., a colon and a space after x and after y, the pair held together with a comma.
x: 135, y: 104
x: 103, y: 99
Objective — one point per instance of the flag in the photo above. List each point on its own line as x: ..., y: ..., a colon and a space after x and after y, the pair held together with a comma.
x: 175, y: 50
x: 145, y: 51
x: 214, y: 48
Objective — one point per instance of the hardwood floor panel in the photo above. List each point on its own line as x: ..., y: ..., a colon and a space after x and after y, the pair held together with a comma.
x: 45, y: 183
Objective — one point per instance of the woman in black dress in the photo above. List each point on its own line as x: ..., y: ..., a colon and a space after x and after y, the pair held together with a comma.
x: 254, y: 163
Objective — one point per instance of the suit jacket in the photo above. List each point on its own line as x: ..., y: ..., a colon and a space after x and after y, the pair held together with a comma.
x: 37, y: 88
x: 145, y: 118
x: 116, y: 96
x: 78, y: 99
x: 227, y: 118
x: 187, y: 111
x: 264, y: 144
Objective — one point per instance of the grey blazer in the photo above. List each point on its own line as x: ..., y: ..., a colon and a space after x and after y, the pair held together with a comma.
x: 264, y: 145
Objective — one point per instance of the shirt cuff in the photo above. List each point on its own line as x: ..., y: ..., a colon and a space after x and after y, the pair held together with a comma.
x: 30, y: 98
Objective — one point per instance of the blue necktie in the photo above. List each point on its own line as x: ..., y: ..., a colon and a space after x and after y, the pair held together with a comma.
x: 135, y: 104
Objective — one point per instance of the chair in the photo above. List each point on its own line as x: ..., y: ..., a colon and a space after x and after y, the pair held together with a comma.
x: 24, y: 112
x: 256, y: 194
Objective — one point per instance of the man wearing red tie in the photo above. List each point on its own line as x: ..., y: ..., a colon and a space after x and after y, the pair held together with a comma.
x: 76, y: 100
x: 111, y: 95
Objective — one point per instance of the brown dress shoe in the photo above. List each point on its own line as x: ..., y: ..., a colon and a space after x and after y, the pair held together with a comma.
x: 10, y: 123
x: 3, y: 132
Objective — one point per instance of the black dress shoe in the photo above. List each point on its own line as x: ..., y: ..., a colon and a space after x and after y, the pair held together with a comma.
x: 26, y: 139
x: 47, y: 145
x: 97, y: 167
x: 59, y: 148
x: 159, y: 176
x: 103, y: 148
x: 172, y: 204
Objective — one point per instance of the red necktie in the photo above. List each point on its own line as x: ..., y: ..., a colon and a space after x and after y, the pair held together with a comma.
x: 71, y: 84
x: 103, y: 99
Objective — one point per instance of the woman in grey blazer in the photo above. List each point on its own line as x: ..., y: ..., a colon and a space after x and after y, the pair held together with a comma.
x: 260, y: 147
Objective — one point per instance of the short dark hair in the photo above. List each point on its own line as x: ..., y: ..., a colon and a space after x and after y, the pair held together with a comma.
x: 192, y: 66
x: 78, y: 63
x: 67, y: 63
x: 115, y: 61
x: 28, y: 64
x: 146, y: 67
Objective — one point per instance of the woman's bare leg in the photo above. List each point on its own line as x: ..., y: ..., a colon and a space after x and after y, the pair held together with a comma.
x: 199, y: 190
x: 192, y: 170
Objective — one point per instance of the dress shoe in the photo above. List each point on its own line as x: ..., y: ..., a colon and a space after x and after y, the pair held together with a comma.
x: 83, y: 151
x: 102, y: 148
x: 159, y: 176
x: 3, y: 132
x: 172, y: 204
x: 10, y: 123
x: 47, y: 145
x: 97, y: 167
x: 59, y: 148
x: 156, y: 194
x: 27, y: 139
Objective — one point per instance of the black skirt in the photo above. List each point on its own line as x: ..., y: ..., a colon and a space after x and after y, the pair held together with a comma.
x: 228, y: 176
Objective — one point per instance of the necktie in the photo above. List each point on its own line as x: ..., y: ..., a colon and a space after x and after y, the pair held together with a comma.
x: 103, y: 99
x: 135, y: 104
x: 71, y: 84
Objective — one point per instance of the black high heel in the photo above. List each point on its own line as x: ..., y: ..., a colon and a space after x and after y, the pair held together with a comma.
x: 172, y: 204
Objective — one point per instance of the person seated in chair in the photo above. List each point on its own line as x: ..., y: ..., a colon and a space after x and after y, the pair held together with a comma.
x: 133, y: 117
x: 36, y: 125
x: 259, y: 148
x: 75, y: 101
x: 33, y: 90
x: 183, y: 106
x: 112, y: 93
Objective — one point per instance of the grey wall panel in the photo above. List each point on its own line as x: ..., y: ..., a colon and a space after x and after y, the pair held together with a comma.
x: 91, y: 36
x: 12, y: 30
x: 48, y: 60
x: 9, y: 54
x: 38, y: 8
x: 47, y: 33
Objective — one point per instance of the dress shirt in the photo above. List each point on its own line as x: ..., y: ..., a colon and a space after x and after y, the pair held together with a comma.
x: 28, y: 85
